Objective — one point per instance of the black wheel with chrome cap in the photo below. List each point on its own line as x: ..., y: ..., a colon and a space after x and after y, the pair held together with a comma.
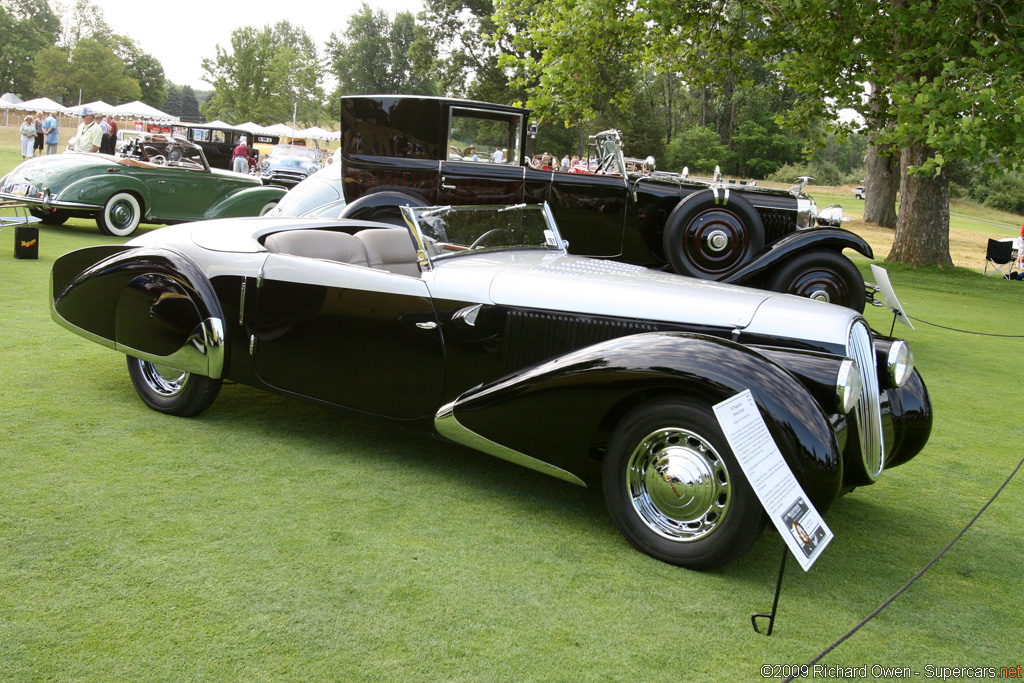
x: 172, y: 391
x: 674, y: 488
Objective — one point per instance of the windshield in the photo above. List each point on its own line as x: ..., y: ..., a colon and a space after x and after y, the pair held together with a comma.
x: 453, y: 230
x: 294, y: 151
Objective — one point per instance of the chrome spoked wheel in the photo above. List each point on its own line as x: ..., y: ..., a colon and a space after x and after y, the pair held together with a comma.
x: 678, y: 484
x: 172, y: 391
x: 674, y: 488
x: 163, y: 380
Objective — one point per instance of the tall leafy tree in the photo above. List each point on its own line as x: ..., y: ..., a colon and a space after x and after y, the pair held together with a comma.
x: 26, y: 26
x: 147, y: 71
x: 91, y: 71
x: 82, y: 20
x: 376, y: 55
x: 947, y: 80
x: 266, y: 75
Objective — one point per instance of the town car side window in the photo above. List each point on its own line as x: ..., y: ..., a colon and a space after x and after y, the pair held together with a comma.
x: 484, y: 136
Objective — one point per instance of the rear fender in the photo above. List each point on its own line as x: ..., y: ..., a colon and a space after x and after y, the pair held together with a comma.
x: 98, y: 188
x: 365, y: 205
x: 794, y: 243
x: 151, y: 303
x: 547, y: 416
x: 247, y: 202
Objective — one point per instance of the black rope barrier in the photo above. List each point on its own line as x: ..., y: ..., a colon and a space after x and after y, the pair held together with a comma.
x: 917, y: 576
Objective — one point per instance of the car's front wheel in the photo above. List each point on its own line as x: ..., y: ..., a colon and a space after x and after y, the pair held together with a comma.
x: 172, y: 391
x: 120, y: 216
x: 824, y: 276
x: 674, y: 488
x: 267, y: 208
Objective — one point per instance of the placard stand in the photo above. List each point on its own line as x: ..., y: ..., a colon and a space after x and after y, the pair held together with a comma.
x: 775, y: 603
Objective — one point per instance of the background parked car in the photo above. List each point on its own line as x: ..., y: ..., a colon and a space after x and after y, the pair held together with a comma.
x: 162, y: 179
x: 318, y: 195
x: 288, y: 165
x: 401, y: 150
x: 858, y: 192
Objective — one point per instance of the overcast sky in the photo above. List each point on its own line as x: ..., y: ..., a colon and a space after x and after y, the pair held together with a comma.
x: 182, y: 33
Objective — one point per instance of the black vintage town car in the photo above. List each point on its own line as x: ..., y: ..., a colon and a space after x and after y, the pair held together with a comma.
x: 473, y: 324
x: 419, y: 151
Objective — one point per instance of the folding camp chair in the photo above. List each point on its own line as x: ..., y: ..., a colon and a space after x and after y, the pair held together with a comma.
x: 999, y: 254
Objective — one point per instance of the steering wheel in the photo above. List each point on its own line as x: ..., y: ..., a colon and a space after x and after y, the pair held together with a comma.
x: 158, y: 159
x: 479, y: 241
x: 174, y: 154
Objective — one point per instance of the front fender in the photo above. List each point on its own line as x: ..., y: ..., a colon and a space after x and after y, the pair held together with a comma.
x: 794, y: 243
x: 151, y: 303
x: 247, y: 202
x: 556, y: 414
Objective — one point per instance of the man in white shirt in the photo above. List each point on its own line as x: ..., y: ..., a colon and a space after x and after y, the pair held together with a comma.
x: 89, y: 135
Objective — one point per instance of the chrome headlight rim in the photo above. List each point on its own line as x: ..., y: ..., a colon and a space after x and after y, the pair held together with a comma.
x: 849, y: 385
x: 899, y: 363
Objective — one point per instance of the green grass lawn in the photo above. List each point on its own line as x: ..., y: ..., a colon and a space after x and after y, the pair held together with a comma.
x: 269, y: 540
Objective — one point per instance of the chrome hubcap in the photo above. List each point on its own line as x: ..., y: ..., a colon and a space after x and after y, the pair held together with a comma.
x: 162, y: 379
x: 717, y: 240
x: 820, y: 295
x: 678, y: 484
x: 121, y: 214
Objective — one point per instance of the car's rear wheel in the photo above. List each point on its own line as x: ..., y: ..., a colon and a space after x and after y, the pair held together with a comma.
x: 172, y: 391
x: 821, y: 275
x: 120, y: 216
x: 674, y: 488
x: 712, y: 233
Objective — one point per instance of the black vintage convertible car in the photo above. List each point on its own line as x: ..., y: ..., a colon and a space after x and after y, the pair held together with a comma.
x: 418, y: 151
x: 473, y: 324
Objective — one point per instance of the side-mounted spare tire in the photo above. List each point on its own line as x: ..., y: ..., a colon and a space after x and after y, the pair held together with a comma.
x: 712, y: 233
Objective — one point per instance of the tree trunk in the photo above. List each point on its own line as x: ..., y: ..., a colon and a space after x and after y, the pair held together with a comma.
x: 881, y: 182
x: 881, y: 167
x: 922, y: 229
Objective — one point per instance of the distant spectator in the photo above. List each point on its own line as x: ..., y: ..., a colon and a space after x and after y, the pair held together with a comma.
x: 28, y: 137
x: 565, y: 163
x: 89, y: 135
x: 105, y: 127
x: 38, y: 146
x: 110, y: 137
x: 497, y: 157
x: 545, y: 162
x: 50, y: 133
x: 1020, y: 249
x: 240, y: 157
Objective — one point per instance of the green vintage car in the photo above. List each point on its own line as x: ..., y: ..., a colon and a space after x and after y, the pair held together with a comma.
x: 155, y: 179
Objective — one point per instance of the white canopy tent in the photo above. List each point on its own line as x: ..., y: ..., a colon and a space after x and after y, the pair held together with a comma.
x: 98, y: 107
x: 142, y: 110
x: 314, y: 133
x: 43, y: 104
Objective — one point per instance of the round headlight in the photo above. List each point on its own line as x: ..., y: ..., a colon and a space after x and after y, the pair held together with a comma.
x: 900, y: 363
x: 848, y: 385
x: 265, y: 166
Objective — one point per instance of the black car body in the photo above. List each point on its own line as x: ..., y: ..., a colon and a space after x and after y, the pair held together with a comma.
x: 219, y: 141
x: 420, y: 151
x: 474, y: 324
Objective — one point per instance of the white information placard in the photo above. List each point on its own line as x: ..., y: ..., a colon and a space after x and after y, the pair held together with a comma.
x: 780, y: 493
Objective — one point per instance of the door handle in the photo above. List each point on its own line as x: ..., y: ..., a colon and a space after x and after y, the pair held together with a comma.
x: 427, y: 326
x: 445, y: 186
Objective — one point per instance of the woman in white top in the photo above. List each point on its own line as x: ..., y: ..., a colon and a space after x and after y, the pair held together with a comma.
x: 28, y: 137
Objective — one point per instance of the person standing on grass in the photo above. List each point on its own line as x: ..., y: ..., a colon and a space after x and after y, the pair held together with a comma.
x: 240, y: 157
x: 50, y: 131
x: 28, y: 137
x: 37, y: 148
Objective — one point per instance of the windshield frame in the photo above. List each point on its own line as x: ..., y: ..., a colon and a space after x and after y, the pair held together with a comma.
x: 429, y: 249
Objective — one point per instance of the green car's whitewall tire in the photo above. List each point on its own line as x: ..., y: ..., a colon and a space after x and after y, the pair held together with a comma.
x: 120, y: 216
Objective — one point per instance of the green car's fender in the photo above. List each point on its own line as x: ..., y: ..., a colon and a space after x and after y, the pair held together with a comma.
x: 252, y: 201
x: 95, y: 190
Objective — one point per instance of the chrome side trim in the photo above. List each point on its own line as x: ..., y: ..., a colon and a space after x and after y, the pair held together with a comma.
x: 241, y: 303
x: 449, y: 427
x: 202, y: 353
x: 868, y: 413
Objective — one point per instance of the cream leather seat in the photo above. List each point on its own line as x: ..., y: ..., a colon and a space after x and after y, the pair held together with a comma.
x: 391, y: 250
x: 321, y: 244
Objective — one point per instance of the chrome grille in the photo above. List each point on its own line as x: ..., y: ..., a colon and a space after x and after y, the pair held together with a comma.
x: 868, y: 413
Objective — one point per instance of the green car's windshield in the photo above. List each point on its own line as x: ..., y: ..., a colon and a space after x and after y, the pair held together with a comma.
x: 452, y: 230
